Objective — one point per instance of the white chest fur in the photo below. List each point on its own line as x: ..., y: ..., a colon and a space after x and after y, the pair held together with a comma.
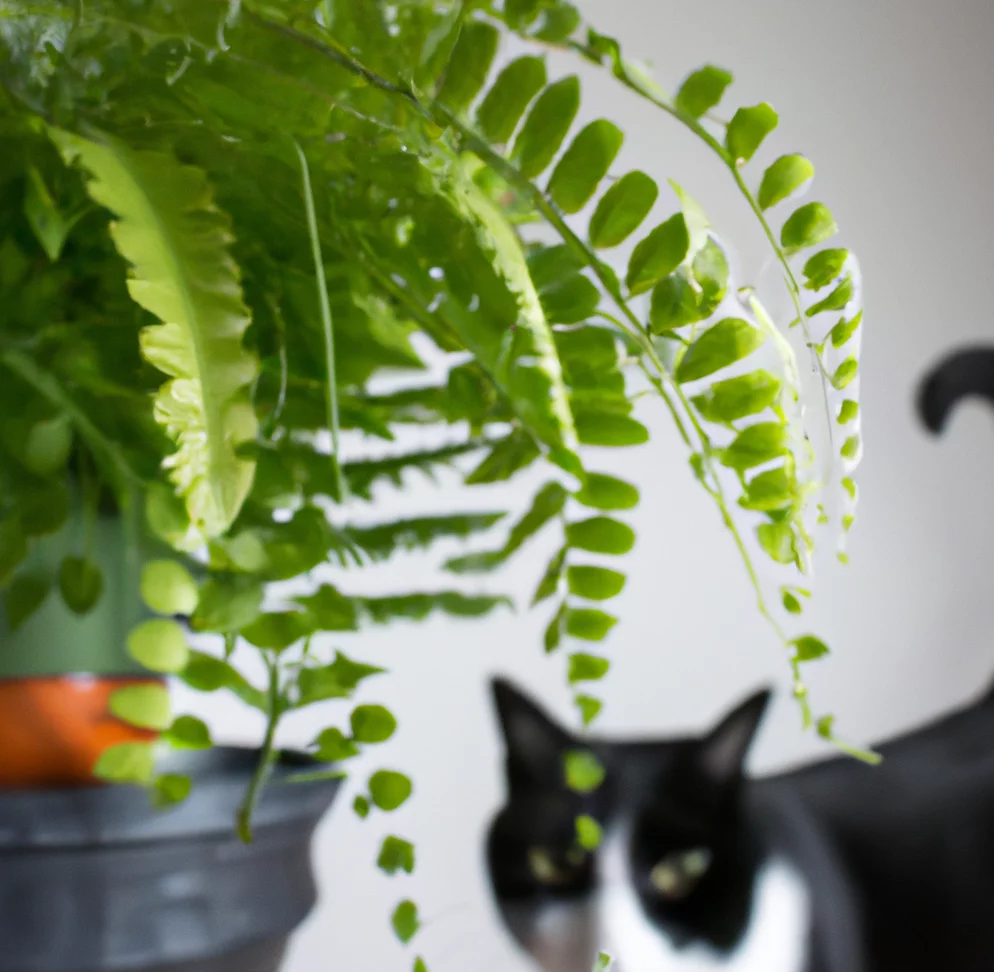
x: 774, y: 941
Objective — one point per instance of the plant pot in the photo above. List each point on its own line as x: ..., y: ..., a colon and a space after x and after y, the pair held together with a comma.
x: 94, y: 879
x: 53, y: 730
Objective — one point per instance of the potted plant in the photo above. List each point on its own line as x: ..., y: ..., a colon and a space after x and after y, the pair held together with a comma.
x: 220, y: 221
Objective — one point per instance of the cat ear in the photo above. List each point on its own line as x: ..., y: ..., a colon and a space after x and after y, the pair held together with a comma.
x: 535, y: 744
x: 722, y: 752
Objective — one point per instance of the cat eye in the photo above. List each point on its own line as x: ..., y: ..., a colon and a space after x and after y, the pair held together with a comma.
x: 546, y: 870
x: 677, y: 874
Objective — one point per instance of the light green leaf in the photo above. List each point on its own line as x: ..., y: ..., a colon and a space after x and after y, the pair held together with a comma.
x: 755, y: 445
x: 808, y: 226
x: 512, y: 92
x: 824, y: 268
x: 675, y: 303
x: 702, y: 91
x: 848, y: 411
x: 621, y: 209
x: 467, y: 70
x: 277, y: 631
x: 603, y: 963
x: 844, y: 330
x: 584, y: 772
x: 790, y: 603
x: 188, y: 732
x: 606, y: 429
x: 589, y: 624
x: 170, y: 789
x: 361, y: 807
x: 372, y: 724
x: 405, y: 921
x: 546, y: 126
x: 168, y: 588
x: 660, y: 253
x: 603, y: 492
x: 584, y: 164
x: 130, y: 762
x: 696, y: 219
x: 730, y: 340
x: 80, y: 583
x: 159, y: 645
x: 845, y: 373
x: 569, y: 300
x: 145, y: 706
x: 837, y: 299
x: 595, y: 583
x: 770, y: 490
x: 396, y: 855
x: 389, y: 790
x: 809, y: 648
x: 333, y: 746
x: 601, y: 534
x: 24, y: 596
x: 748, y: 129
x: 335, y: 681
x: 783, y: 178
x: 850, y: 448
x: 205, y: 673
x: 176, y: 240
x: 736, y: 398
x: 587, y: 668
x: 227, y: 603
x: 589, y: 708
x: 588, y: 832
x: 777, y: 539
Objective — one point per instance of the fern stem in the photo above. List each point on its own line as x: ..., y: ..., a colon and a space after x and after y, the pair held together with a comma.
x: 331, y: 384
x: 267, y: 755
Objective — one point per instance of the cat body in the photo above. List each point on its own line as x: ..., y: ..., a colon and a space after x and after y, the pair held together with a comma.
x: 836, y: 867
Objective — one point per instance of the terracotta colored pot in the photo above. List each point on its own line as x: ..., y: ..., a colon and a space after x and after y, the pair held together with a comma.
x: 53, y: 729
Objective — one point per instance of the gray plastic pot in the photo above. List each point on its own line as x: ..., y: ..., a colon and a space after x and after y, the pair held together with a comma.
x: 96, y: 880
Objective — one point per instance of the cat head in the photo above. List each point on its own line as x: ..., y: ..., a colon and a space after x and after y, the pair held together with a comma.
x: 668, y: 814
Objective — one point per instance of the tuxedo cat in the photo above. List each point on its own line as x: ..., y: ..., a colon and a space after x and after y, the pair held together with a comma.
x: 838, y: 867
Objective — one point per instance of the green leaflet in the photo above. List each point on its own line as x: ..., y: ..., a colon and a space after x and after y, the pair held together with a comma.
x: 621, y: 209
x: 176, y: 240
x: 748, y: 129
x: 660, y: 253
x: 522, y: 358
x: 783, y: 178
x: 808, y: 226
x: 546, y: 126
x: 584, y: 164
x: 702, y: 90
x: 505, y: 103
x: 466, y: 72
x: 728, y: 341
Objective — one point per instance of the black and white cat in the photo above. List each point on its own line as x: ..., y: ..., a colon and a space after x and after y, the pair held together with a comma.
x: 838, y: 867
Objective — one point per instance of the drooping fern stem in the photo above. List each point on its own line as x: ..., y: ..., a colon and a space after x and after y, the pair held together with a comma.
x: 331, y: 382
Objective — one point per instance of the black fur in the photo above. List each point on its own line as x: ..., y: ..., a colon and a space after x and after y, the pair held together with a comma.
x: 898, y: 859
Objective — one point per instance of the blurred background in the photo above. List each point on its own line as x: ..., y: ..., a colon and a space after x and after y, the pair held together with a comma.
x: 891, y: 99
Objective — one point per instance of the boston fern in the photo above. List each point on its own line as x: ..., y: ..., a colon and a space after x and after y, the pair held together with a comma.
x: 221, y: 219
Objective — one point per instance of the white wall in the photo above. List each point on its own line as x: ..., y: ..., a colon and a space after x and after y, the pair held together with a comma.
x: 890, y: 98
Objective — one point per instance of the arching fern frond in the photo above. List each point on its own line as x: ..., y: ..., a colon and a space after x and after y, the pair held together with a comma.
x: 176, y: 241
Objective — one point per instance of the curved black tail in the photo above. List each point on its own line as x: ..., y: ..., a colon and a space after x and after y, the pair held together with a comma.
x: 963, y: 374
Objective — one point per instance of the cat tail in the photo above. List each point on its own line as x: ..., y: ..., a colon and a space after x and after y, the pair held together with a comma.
x: 966, y: 373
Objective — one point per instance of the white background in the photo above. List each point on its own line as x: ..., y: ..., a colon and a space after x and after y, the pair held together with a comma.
x: 891, y: 100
